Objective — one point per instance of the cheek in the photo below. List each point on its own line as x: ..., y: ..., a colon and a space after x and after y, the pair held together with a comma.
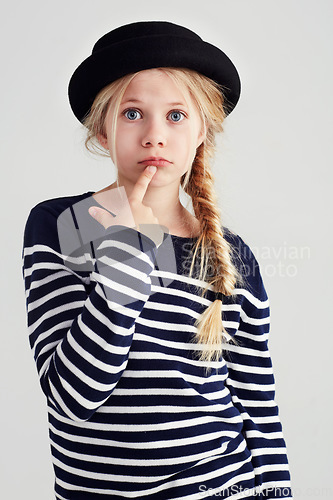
x: 124, y: 145
x: 127, y: 135
x: 191, y: 152
x: 187, y: 144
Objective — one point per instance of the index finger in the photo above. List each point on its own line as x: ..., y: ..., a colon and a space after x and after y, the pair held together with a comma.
x: 142, y: 183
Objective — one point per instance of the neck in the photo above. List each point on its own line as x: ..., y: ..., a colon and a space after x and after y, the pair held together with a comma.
x: 167, y: 207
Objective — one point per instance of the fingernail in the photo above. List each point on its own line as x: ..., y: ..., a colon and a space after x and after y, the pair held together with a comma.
x: 152, y: 168
x: 92, y: 211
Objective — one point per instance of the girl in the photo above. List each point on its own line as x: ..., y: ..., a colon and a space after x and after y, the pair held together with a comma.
x: 149, y: 325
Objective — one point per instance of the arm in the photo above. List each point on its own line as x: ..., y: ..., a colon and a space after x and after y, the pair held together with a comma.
x: 81, y: 334
x: 251, y: 383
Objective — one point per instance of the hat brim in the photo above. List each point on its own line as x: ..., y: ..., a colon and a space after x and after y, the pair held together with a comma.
x: 130, y: 56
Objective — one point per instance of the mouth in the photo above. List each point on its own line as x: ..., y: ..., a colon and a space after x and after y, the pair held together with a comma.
x: 156, y: 161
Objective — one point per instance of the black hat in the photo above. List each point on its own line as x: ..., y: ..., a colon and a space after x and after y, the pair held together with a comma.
x: 145, y: 45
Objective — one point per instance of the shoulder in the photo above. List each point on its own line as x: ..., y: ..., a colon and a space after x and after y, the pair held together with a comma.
x: 246, y: 264
x: 42, y: 222
x: 241, y: 251
x: 55, y: 206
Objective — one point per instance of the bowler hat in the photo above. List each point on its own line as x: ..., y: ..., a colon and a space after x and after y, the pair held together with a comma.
x: 145, y: 45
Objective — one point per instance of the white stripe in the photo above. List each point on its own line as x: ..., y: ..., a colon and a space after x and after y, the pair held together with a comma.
x: 48, y: 279
x: 254, y: 321
x: 259, y: 304
x: 57, y: 401
x: 261, y: 370
x: 276, y: 484
x: 150, y: 391
x: 268, y: 451
x: 163, y: 325
x: 254, y: 403
x: 123, y: 410
x: 215, y: 397
x: 124, y: 268
x: 109, y: 347
x: 152, y: 445
x: 46, y: 364
x: 60, y: 496
x: 215, y: 365
x: 158, y: 305
x: 174, y: 345
x: 44, y: 248
x: 252, y: 387
x: 165, y: 307
x: 54, y: 312
x: 247, y: 351
x: 128, y: 410
x: 59, y: 291
x: 271, y: 468
x: 83, y: 377
x: 174, y: 374
x: 113, y: 327
x: 272, y: 419
x: 48, y: 266
x: 265, y: 435
x: 136, y: 252
x: 84, y: 402
x: 262, y: 337
x: 48, y: 333
x: 181, y: 278
x: 120, y: 288
x: 128, y: 428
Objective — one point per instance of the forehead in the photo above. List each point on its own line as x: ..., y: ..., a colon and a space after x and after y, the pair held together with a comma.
x: 155, y: 83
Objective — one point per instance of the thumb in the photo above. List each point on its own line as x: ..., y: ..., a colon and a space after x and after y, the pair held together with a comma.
x: 102, y: 216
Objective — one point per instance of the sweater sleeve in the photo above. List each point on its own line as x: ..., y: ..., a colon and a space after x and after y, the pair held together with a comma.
x: 252, y: 385
x: 81, y: 310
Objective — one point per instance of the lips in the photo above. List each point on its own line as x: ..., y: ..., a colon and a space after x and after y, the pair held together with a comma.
x: 155, y: 160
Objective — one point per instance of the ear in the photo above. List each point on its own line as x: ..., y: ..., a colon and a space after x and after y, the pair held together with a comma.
x: 201, y: 138
x: 103, y: 141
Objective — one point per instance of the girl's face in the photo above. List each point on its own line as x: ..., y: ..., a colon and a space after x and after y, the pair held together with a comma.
x: 155, y: 126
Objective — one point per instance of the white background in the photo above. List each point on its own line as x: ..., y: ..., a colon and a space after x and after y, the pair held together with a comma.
x: 273, y: 176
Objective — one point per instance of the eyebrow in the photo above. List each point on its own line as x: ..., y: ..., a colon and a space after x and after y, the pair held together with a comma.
x: 168, y: 103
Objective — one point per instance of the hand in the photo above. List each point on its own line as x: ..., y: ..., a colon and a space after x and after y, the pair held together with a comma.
x: 135, y: 213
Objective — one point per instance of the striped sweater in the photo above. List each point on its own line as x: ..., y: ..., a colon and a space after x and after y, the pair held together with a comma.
x: 133, y: 412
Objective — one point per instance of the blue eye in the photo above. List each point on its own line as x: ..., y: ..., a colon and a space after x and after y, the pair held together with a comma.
x: 176, y: 116
x: 131, y: 114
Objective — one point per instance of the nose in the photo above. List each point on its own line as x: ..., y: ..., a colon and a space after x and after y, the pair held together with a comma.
x: 153, y: 135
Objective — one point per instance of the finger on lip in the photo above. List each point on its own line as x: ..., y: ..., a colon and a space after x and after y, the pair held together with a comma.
x: 157, y: 163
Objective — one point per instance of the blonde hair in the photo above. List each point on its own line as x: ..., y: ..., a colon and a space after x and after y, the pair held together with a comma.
x: 212, y: 249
